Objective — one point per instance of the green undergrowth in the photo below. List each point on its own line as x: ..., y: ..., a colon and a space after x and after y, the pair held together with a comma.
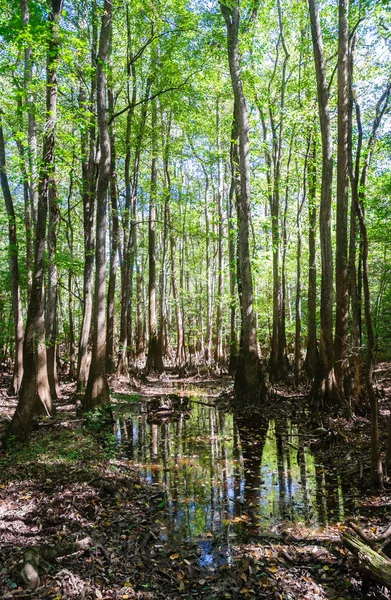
x: 66, y: 442
x: 125, y: 398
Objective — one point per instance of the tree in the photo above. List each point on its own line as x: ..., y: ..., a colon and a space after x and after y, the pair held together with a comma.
x: 35, y: 392
x: 14, y: 269
x: 341, y: 251
x: 249, y: 380
x: 97, y: 391
x: 324, y: 389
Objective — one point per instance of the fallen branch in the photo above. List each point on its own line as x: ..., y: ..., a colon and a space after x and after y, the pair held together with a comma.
x: 36, y: 556
x: 371, y: 563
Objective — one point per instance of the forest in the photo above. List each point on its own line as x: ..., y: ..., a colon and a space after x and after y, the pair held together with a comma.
x: 195, y: 299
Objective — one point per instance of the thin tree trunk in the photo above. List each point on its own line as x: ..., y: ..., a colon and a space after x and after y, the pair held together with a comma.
x: 110, y: 352
x: 152, y: 321
x: 70, y: 239
x: 299, y: 210
x: 232, y: 235
x: 32, y: 130
x: 341, y: 254
x: 97, y: 391
x: 180, y: 352
x: 35, y: 390
x: 376, y: 464
x: 89, y: 174
x: 220, y: 238
x: 52, y: 288
x: 162, y: 300
x: 209, y: 294
x: 14, y: 270
x: 249, y: 382
x: 324, y: 388
x: 312, y: 357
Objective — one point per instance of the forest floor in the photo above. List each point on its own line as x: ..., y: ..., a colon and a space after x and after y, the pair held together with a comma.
x: 70, y: 483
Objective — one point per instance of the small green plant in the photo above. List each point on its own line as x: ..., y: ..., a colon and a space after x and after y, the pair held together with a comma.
x: 100, y: 423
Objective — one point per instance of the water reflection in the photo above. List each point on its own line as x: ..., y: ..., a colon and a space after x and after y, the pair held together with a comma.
x: 227, y: 477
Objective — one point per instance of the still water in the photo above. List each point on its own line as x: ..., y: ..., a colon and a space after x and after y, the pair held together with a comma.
x: 229, y: 478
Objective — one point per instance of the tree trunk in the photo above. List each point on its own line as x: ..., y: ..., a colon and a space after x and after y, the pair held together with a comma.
x: 180, y: 350
x: 324, y: 388
x: 110, y: 351
x: 341, y: 264
x: 35, y: 390
x: 162, y: 301
x: 232, y: 235
x: 371, y: 563
x: 32, y: 139
x: 220, y: 239
x: 70, y: 238
x: 52, y: 288
x: 152, y: 322
x: 97, y: 391
x: 89, y: 174
x: 249, y: 383
x: 311, y: 365
x: 208, y: 274
x: 14, y: 270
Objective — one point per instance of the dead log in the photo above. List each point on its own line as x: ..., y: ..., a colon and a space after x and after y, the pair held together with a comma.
x: 376, y: 566
x: 37, y: 556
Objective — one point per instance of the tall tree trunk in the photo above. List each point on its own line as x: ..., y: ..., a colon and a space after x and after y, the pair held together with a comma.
x: 358, y: 385
x: 70, y: 239
x: 27, y: 208
x: 381, y: 108
x: 299, y: 210
x: 110, y: 352
x: 249, y: 382
x: 35, y: 390
x: 162, y: 301
x: 220, y: 239
x: 209, y: 293
x: 97, y: 391
x: 89, y: 174
x: 180, y: 350
x: 14, y: 270
x: 312, y: 357
x: 278, y: 358
x: 232, y: 242
x: 324, y: 388
x: 140, y: 347
x: 52, y: 288
x: 32, y: 129
x: 152, y: 321
x: 341, y: 264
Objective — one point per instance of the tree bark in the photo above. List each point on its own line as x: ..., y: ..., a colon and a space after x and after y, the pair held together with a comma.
x: 311, y: 363
x: 52, y: 288
x: 220, y: 238
x: 232, y: 241
x: 110, y: 351
x: 14, y: 270
x: 324, y: 387
x: 35, y: 390
x: 97, y: 391
x: 162, y: 300
x: 89, y: 175
x: 152, y: 320
x: 341, y: 254
x: 249, y: 383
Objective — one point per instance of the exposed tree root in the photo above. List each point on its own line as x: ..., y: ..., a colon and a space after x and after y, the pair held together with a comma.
x: 37, y: 556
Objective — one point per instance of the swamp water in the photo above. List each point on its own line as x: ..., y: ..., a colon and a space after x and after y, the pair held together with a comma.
x: 229, y: 479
